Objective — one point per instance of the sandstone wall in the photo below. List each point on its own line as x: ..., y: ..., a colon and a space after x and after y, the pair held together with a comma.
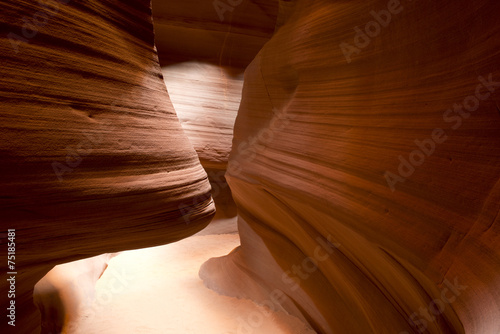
x: 93, y: 158
x: 366, y: 167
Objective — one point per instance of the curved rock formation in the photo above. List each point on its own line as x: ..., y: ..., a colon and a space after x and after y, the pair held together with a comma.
x: 206, y: 99
x: 366, y: 169
x: 94, y: 159
x: 204, y: 47
x: 365, y: 160
x: 222, y: 32
x: 67, y: 289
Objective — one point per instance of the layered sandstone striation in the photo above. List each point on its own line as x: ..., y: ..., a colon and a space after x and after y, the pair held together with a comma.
x: 366, y: 169
x: 220, y: 32
x: 204, y: 47
x: 365, y: 157
x: 206, y: 98
x: 94, y: 159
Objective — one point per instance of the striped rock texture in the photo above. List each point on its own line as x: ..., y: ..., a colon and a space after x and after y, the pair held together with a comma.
x: 204, y: 47
x: 93, y: 157
x: 366, y: 169
x: 206, y: 98
x: 221, y: 32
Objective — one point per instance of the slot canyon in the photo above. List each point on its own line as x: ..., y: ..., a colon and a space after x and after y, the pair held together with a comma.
x: 250, y: 166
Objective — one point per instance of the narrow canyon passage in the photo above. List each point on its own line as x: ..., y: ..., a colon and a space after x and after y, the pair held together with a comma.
x: 250, y: 166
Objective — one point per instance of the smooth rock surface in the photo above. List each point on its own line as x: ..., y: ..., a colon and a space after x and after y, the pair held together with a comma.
x: 66, y: 289
x: 93, y: 157
x: 220, y: 32
x: 330, y: 210
x: 365, y: 160
x: 206, y: 98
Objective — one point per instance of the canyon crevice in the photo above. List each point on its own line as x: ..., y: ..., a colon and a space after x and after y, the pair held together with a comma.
x: 358, y: 140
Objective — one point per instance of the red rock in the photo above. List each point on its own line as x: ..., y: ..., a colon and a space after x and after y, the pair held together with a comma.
x: 316, y: 135
x: 94, y: 159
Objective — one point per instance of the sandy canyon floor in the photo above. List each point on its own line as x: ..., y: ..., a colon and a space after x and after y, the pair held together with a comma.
x: 158, y: 290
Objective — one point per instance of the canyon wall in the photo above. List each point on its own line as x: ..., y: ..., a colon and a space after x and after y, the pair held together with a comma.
x: 204, y: 47
x: 93, y: 157
x: 365, y: 161
x: 206, y: 98
x: 221, y: 32
x: 366, y: 169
